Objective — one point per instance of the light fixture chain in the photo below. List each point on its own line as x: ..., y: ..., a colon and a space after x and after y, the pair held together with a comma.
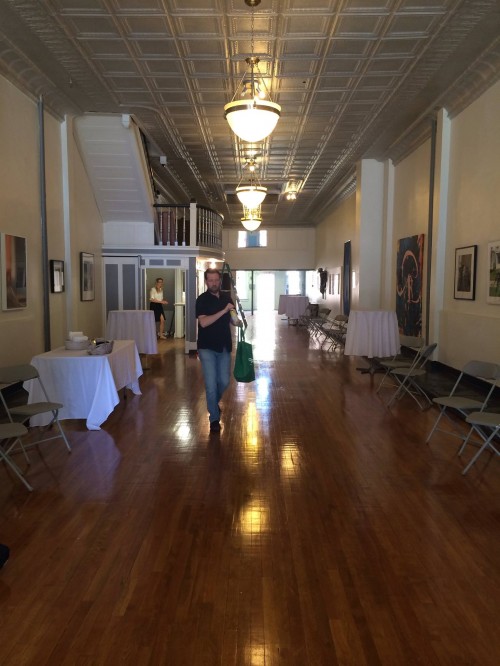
x: 251, y: 32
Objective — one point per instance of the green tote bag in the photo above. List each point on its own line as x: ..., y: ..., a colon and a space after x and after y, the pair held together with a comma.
x: 243, y: 365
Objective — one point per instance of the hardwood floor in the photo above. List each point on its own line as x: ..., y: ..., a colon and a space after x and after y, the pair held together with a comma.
x: 317, y: 529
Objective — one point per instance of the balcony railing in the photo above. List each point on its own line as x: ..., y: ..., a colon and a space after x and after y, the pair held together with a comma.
x: 177, y: 224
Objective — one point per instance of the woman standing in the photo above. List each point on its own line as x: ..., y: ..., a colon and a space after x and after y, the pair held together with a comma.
x: 156, y: 303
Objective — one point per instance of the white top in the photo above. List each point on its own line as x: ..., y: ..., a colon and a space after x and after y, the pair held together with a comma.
x: 155, y: 295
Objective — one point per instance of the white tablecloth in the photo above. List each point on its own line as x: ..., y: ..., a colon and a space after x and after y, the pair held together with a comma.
x: 372, y: 333
x: 86, y: 385
x: 138, y: 325
x: 292, y: 306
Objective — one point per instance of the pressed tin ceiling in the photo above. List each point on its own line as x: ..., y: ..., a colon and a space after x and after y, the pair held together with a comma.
x: 354, y: 78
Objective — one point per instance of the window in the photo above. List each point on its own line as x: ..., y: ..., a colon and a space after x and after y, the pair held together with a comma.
x: 252, y: 238
x: 242, y: 284
x: 293, y: 282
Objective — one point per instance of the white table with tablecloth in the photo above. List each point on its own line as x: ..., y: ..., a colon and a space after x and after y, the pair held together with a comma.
x: 86, y: 385
x: 372, y: 333
x: 138, y: 325
x: 292, y: 306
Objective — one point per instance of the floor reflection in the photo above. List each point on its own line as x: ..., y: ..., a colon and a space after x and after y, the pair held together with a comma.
x: 261, y: 333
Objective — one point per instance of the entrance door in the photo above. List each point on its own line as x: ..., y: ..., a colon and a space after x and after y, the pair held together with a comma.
x: 264, y: 292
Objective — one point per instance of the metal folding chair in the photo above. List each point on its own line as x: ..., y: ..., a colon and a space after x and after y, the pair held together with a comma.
x: 22, y: 413
x: 479, y: 421
x: 407, y: 379
x: 335, y: 331
x: 400, y: 360
x: 460, y: 399
x: 10, y: 434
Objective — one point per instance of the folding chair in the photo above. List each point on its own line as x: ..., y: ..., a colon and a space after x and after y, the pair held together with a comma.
x: 406, y: 378
x: 335, y: 331
x: 22, y: 413
x: 9, y: 432
x: 400, y: 360
x: 478, y: 421
x: 460, y: 399
x: 311, y: 312
x: 315, y: 323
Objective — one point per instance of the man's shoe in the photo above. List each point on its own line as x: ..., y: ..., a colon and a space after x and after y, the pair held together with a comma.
x: 214, y: 426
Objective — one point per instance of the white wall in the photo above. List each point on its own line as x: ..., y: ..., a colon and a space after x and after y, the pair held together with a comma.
x: 287, y: 249
x: 74, y: 218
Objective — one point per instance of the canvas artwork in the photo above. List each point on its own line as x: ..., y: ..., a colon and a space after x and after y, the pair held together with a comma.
x: 409, y: 270
x: 493, y: 295
x: 346, y: 279
x: 13, y: 261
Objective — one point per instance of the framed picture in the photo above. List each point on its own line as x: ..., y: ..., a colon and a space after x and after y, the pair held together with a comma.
x: 13, y: 263
x: 465, y: 272
x: 56, y: 276
x: 87, y: 277
x: 493, y: 295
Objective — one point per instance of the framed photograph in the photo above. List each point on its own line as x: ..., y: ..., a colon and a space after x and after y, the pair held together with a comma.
x: 87, y: 277
x: 465, y: 273
x: 56, y: 276
x: 13, y: 266
x: 493, y: 295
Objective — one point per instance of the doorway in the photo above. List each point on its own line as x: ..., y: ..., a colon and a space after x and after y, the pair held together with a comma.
x: 173, y: 292
x: 264, y: 291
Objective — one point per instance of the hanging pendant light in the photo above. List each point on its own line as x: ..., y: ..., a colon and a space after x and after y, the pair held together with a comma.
x: 251, y: 195
x: 253, y: 117
x: 252, y: 218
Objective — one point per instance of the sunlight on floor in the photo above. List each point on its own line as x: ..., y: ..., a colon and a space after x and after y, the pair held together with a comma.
x: 261, y: 332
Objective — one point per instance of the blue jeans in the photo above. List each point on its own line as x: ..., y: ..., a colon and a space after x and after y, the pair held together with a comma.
x: 216, y: 373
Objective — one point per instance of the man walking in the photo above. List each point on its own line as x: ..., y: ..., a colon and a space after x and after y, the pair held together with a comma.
x: 214, y: 342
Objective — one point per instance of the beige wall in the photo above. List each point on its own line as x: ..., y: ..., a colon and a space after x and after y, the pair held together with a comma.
x: 467, y: 329
x: 287, y: 248
x: 411, y: 212
x: 338, y: 227
x: 22, y: 331
x: 467, y: 214
x: 471, y: 329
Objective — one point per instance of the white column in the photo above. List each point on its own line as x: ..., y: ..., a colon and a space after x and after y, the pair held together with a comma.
x: 440, y: 224
x: 367, y: 263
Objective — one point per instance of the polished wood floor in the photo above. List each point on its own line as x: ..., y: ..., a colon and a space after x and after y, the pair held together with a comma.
x: 317, y: 529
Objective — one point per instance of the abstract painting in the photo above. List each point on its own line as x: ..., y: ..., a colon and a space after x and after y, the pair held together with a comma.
x: 409, y: 268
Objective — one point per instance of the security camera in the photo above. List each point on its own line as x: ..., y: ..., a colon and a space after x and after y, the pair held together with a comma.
x: 163, y: 160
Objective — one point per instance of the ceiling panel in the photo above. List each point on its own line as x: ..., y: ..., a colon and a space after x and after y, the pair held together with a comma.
x: 351, y: 77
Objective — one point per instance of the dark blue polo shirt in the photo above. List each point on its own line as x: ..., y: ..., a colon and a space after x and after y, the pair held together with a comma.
x: 217, y: 336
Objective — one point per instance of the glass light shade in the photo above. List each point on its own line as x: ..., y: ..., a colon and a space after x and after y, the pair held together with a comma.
x: 251, y: 223
x: 251, y: 196
x: 252, y: 120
